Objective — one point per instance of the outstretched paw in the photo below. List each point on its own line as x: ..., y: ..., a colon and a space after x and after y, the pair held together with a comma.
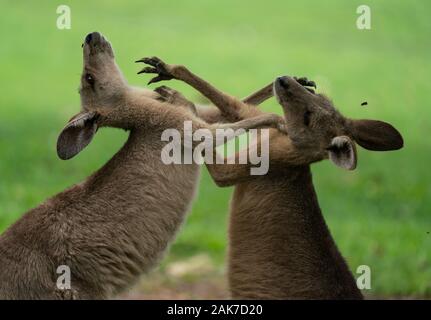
x: 158, y: 67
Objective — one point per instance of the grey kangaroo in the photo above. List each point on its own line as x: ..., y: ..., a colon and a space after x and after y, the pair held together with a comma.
x: 116, y: 224
x: 279, y: 244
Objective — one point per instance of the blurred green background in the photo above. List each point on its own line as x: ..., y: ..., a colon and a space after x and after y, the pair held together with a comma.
x: 379, y: 214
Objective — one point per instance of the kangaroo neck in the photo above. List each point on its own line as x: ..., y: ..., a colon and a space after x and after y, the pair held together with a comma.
x: 280, y: 244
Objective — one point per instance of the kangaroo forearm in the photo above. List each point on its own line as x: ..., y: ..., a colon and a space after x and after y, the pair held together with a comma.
x: 260, y: 96
x: 223, y: 101
x: 267, y: 120
x: 213, y: 115
x: 227, y: 104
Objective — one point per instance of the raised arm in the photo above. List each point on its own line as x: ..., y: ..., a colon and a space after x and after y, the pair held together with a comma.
x: 212, y: 115
x: 259, y: 96
x: 228, y: 105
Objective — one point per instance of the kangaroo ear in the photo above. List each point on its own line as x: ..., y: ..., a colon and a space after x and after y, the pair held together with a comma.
x: 342, y: 152
x: 77, y: 134
x: 376, y: 135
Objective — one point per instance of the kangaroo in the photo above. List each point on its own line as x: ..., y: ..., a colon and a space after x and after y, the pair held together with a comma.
x: 279, y: 244
x: 116, y: 224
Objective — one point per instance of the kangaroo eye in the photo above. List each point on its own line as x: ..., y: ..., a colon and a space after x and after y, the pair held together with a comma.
x: 89, y: 78
x: 307, y: 116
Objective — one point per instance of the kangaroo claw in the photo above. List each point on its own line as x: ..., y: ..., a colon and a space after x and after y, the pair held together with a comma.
x: 148, y: 70
x: 305, y: 82
x: 160, y: 78
x: 152, y: 61
x: 157, y: 67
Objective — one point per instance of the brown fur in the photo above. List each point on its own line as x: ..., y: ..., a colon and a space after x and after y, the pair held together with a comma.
x: 116, y: 224
x: 280, y: 246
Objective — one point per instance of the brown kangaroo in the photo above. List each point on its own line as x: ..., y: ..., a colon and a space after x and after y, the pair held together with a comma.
x: 280, y: 246
x: 116, y: 224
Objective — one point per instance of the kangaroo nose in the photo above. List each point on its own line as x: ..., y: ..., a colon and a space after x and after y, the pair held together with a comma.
x: 94, y: 36
x: 283, y: 81
x: 88, y: 38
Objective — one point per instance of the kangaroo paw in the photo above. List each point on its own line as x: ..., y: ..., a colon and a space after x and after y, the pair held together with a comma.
x: 174, y: 97
x: 171, y: 95
x: 305, y: 82
x: 158, y: 67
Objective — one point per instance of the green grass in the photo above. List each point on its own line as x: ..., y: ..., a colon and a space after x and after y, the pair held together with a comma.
x: 379, y: 214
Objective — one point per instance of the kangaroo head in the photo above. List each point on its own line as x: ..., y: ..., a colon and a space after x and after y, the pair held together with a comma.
x: 102, y: 83
x: 318, y: 131
x: 103, y: 89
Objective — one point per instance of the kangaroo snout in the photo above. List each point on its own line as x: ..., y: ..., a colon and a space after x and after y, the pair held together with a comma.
x: 282, y: 87
x: 95, y: 42
x: 88, y: 38
x: 282, y: 81
x: 286, y: 87
x: 93, y: 37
